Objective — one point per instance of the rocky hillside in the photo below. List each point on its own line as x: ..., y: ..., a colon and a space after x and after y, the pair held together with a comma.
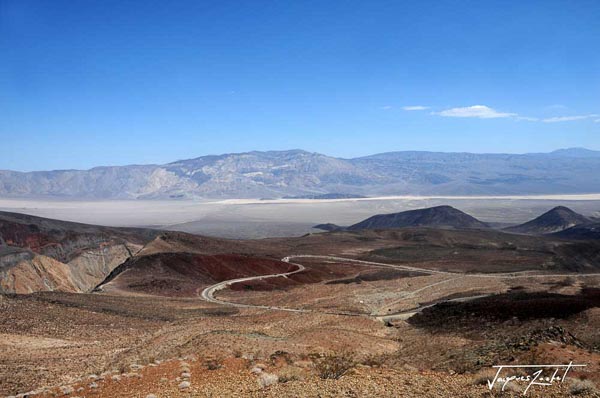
x: 38, y: 254
x: 555, y: 220
x: 297, y: 173
x: 435, y: 217
x: 181, y: 274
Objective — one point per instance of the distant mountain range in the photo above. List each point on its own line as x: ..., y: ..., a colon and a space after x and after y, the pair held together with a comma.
x: 297, y: 173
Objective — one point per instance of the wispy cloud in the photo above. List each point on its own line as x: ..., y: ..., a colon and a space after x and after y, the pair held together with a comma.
x: 559, y: 119
x: 415, y: 108
x: 386, y: 108
x: 486, y: 112
x: 477, y: 111
x: 527, y: 118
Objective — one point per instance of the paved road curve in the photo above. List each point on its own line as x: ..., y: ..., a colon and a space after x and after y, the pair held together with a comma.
x: 208, y: 293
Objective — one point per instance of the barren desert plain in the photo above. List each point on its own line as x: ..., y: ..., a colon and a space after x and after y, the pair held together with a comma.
x: 418, y: 311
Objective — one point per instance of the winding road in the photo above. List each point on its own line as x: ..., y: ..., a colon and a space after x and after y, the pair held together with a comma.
x: 208, y: 293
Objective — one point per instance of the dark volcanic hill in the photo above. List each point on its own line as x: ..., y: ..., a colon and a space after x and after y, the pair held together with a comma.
x: 555, y: 220
x: 435, y: 217
x: 328, y: 227
x: 584, y: 232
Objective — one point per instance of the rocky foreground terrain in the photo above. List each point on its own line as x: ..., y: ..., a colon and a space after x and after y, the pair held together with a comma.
x: 413, y: 311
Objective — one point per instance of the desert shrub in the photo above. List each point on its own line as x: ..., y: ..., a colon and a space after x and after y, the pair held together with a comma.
x: 334, y: 366
x: 213, y: 364
x: 511, y: 389
x: 287, y: 378
x: 578, y: 387
x: 290, y: 373
x: 374, y: 360
x: 274, y: 357
x: 267, y: 379
x: 481, y: 379
x: 122, y: 368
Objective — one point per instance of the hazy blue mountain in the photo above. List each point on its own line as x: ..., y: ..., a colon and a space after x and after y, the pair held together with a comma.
x: 576, y: 153
x: 298, y: 173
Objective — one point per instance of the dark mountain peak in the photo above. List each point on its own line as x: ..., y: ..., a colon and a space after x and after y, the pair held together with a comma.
x: 554, y: 220
x: 441, y: 208
x: 438, y: 217
x: 561, y: 208
x: 564, y: 212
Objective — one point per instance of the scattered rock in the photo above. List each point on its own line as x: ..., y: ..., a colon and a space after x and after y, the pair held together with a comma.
x: 184, y: 385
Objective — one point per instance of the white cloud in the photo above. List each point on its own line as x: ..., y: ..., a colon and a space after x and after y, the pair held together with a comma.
x: 597, y: 121
x: 558, y: 119
x: 386, y: 108
x: 527, y: 118
x: 415, y: 108
x: 478, y: 111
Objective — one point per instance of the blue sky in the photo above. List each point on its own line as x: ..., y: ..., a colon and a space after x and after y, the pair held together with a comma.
x: 87, y: 83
